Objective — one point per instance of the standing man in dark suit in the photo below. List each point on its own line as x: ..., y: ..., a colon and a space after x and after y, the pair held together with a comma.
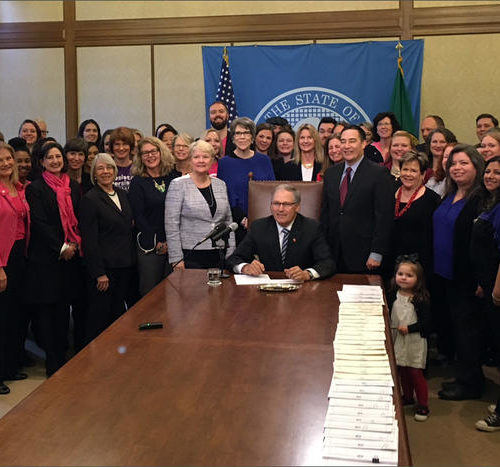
x: 358, y: 207
x: 285, y: 241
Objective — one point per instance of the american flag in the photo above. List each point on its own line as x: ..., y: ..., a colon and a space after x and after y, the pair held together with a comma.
x: 225, y: 91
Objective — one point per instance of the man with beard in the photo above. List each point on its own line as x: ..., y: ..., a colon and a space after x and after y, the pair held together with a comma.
x: 219, y: 117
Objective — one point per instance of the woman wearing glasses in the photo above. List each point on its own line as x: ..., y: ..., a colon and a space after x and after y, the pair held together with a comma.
x: 180, y: 145
x: 153, y: 172
x: 236, y: 168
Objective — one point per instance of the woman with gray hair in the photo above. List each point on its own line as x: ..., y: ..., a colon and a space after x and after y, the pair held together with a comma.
x: 153, y: 172
x: 196, y: 203
x: 180, y: 151
x: 106, y: 224
x: 236, y: 169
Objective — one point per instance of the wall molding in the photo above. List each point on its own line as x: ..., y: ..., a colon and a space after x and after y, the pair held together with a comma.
x: 405, y: 22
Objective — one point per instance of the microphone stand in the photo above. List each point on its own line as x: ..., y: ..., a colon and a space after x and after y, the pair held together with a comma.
x: 222, y: 253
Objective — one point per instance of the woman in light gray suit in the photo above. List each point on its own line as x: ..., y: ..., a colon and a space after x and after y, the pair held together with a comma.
x: 194, y: 205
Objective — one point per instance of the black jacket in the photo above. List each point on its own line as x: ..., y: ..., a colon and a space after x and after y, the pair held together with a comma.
x: 107, y: 232
x: 364, y: 223
x: 307, y: 247
x: 424, y: 317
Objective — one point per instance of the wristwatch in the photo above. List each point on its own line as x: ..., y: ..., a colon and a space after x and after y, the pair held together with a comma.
x: 311, y: 277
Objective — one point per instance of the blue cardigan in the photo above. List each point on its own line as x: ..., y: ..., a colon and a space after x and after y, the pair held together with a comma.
x: 234, y: 171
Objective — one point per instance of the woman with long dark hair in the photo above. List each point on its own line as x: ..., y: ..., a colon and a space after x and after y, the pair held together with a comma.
x: 90, y: 131
x: 453, y: 221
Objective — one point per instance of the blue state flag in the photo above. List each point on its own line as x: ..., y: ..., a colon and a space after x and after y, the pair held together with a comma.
x: 350, y: 82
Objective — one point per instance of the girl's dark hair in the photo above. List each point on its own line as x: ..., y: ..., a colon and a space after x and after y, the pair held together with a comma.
x: 168, y: 129
x: 273, y: 150
x: 265, y: 126
x: 84, y: 124
x: 166, y: 126
x: 420, y: 292
x: 489, y: 200
x: 380, y: 116
x: 100, y: 144
x: 328, y: 162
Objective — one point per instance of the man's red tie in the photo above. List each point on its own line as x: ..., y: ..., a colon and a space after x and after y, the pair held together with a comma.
x: 344, y: 186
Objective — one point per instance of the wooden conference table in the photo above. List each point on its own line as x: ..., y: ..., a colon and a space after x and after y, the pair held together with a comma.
x: 235, y: 377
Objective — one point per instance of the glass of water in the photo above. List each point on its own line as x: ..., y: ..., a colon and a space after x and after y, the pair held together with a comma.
x: 213, y: 275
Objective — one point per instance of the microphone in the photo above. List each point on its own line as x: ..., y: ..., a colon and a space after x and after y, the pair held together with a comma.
x: 227, y: 230
x: 218, y: 228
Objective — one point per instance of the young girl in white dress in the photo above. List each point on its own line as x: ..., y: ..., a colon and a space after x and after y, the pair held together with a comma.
x: 410, y: 322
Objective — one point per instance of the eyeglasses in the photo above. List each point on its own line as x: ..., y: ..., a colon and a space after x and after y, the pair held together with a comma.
x: 383, y: 124
x: 239, y: 134
x: 153, y: 152
x: 181, y: 146
x: 286, y: 205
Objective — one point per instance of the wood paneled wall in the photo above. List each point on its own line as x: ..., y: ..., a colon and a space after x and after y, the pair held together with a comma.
x: 405, y: 22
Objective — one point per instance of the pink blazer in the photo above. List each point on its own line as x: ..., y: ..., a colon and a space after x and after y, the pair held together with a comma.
x: 8, y: 222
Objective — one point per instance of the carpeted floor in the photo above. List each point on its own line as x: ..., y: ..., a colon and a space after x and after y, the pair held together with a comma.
x: 449, y: 436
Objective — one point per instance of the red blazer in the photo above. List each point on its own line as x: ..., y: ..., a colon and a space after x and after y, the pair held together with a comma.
x: 8, y: 221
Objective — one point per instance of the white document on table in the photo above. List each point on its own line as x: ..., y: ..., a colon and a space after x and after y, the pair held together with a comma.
x: 361, y: 444
x: 353, y: 389
x: 357, y: 412
x: 368, y: 435
x: 332, y: 420
x: 331, y: 462
x: 346, y: 349
x: 334, y: 402
x: 348, y: 297
x: 354, y: 382
x: 363, y: 326
x: 368, y: 378
x: 245, y: 279
x: 365, y: 455
x: 361, y: 359
x: 361, y: 397
x: 361, y: 370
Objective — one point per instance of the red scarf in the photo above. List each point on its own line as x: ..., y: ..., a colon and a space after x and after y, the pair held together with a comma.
x: 60, y: 185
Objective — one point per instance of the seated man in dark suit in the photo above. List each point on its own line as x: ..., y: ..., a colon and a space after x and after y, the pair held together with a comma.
x: 285, y: 241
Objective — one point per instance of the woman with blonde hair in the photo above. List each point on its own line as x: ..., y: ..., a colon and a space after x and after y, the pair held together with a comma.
x: 401, y: 143
x: 195, y: 203
x: 490, y: 144
x: 211, y: 136
x: 308, y: 157
x: 153, y: 172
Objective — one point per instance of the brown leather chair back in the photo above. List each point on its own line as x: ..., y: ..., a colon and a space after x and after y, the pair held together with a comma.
x: 260, y: 192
